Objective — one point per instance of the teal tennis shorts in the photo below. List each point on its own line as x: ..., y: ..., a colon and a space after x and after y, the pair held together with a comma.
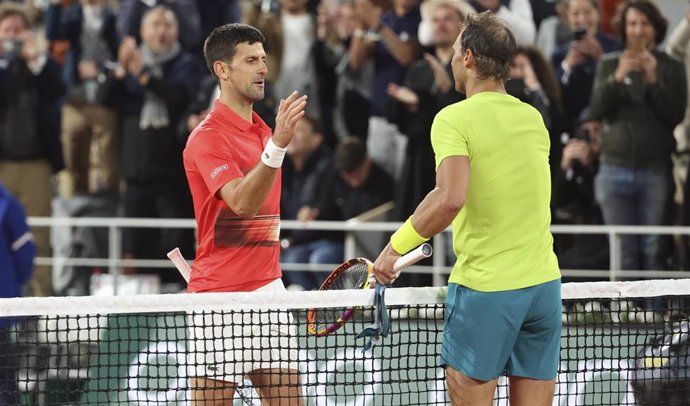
x: 516, y: 332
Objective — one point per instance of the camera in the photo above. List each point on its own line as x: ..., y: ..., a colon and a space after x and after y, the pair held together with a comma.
x: 583, y: 134
x: 579, y: 33
x: 516, y: 87
x: 12, y: 46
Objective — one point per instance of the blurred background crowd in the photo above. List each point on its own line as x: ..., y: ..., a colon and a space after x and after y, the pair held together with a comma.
x: 97, y: 98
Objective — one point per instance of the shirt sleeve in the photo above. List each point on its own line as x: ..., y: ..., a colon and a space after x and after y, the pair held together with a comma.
x: 22, y: 246
x: 216, y: 163
x: 447, y: 139
x: 519, y: 19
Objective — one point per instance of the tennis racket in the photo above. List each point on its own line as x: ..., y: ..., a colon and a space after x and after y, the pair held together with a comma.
x: 356, y: 273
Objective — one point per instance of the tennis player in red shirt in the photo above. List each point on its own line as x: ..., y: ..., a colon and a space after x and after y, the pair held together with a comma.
x: 233, y: 165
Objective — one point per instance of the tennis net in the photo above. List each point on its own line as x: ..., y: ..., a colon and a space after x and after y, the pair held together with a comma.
x: 137, y: 350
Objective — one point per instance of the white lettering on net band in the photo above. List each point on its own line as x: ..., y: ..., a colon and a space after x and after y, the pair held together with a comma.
x: 273, y: 155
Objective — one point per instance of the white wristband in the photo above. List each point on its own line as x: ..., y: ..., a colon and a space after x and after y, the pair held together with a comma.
x: 273, y: 155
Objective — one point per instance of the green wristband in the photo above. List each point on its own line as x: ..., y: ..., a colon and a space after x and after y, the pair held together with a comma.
x: 406, y: 238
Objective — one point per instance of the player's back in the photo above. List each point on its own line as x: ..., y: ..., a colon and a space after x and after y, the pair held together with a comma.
x: 501, y: 235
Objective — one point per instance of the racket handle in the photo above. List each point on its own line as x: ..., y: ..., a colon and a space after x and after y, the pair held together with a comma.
x: 180, y: 263
x: 412, y: 257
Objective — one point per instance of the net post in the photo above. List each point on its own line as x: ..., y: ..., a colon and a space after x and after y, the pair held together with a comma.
x: 614, y: 253
x: 114, y: 252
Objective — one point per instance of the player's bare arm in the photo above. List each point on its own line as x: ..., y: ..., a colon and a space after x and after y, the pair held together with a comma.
x: 435, y: 213
x: 246, y: 195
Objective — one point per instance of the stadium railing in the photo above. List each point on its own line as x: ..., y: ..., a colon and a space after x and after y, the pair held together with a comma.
x: 439, y: 269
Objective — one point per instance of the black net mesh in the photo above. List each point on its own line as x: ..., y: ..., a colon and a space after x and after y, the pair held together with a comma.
x: 624, y: 351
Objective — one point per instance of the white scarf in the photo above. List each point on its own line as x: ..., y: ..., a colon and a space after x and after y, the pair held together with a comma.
x: 154, y: 113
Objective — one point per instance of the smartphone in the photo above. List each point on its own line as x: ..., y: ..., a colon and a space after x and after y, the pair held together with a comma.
x: 12, y: 46
x: 516, y: 87
x: 583, y: 134
x: 579, y: 33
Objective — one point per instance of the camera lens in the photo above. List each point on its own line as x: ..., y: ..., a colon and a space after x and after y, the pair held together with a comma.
x: 8, y: 46
x: 579, y: 33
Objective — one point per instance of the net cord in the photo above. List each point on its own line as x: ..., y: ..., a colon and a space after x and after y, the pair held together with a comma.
x: 206, y: 302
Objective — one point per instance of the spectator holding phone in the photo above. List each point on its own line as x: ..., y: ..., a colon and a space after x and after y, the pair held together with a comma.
x: 532, y: 80
x: 574, y: 183
x: 89, y: 28
x: 573, y: 197
x: 640, y: 95
x: 30, y: 148
x: 575, y: 63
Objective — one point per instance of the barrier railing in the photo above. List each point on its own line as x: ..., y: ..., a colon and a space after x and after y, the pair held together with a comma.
x: 439, y: 269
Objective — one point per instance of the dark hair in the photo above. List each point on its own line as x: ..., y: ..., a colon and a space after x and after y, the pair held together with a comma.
x: 350, y: 153
x: 492, y: 44
x: 10, y: 10
x: 544, y: 72
x: 221, y: 43
x: 595, y: 4
x: 647, y: 8
x: 157, y: 9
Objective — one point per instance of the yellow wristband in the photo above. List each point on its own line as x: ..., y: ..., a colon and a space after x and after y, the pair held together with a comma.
x: 406, y: 238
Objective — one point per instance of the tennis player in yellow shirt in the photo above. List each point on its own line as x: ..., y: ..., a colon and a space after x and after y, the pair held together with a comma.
x: 503, y: 309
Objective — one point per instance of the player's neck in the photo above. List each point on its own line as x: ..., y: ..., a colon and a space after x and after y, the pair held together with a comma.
x: 240, y: 106
x: 475, y: 85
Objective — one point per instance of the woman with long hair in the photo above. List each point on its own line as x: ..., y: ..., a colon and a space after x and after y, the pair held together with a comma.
x: 532, y: 80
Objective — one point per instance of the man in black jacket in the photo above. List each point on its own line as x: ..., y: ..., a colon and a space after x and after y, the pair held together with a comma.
x: 30, y: 149
x: 302, y: 181
x: 428, y: 88
x: 89, y: 27
x: 151, y: 90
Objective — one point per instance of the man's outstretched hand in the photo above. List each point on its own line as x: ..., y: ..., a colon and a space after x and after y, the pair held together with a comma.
x: 290, y: 111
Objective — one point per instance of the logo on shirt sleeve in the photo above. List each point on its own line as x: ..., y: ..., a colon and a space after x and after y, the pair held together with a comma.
x: 218, y: 170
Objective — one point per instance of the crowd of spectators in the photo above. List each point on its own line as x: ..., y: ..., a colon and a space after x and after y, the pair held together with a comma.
x: 99, y: 96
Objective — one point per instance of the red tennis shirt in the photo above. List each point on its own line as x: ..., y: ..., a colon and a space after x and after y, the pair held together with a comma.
x: 234, y: 254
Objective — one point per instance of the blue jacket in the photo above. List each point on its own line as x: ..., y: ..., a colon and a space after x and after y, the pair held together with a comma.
x: 153, y: 154
x: 17, y: 249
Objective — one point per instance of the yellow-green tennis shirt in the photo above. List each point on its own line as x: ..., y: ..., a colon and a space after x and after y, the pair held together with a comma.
x: 501, y: 236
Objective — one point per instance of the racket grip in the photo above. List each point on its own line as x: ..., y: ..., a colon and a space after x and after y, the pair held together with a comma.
x: 412, y: 257
x: 182, y: 266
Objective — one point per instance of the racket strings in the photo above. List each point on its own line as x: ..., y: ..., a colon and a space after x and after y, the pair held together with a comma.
x: 354, y: 277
